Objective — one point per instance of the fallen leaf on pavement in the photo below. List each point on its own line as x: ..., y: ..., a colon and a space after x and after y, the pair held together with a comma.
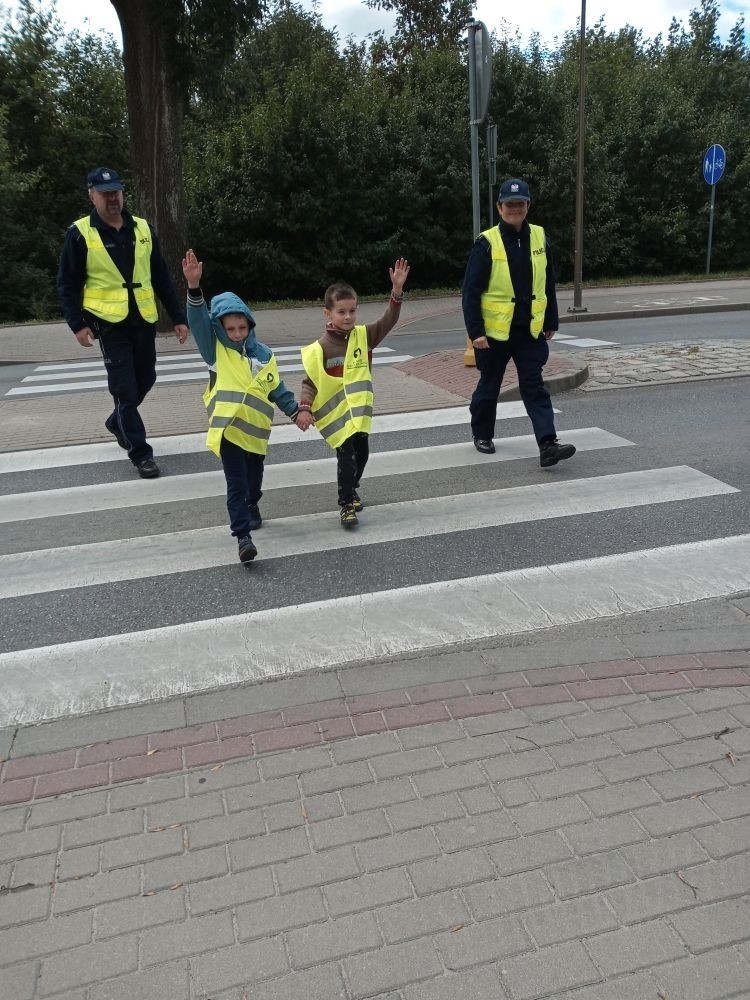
x: 731, y: 758
x: 177, y: 885
x: 150, y: 753
x: 458, y: 927
x: 217, y: 767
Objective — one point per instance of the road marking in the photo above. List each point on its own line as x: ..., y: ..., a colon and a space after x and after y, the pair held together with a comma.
x: 62, y: 366
x: 139, y: 492
x: 569, y: 340
x: 184, y: 444
x: 198, y: 376
x: 79, y: 677
x: 67, y: 567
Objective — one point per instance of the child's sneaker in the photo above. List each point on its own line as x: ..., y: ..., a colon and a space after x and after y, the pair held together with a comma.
x: 357, y: 503
x: 348, y: 516
x: 255, y: 519
x: 247, y: 549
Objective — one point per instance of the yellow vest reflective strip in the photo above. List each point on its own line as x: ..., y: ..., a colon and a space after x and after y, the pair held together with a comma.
x: 498, y: 301
x: 237, y: 403
x: 105, y: 293
x: 342, y: 406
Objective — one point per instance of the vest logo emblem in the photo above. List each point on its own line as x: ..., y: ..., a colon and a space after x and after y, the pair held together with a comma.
x: 357, y: 352
x: 538, y: 251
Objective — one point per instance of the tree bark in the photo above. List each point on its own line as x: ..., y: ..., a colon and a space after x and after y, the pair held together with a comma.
x: 156, y: 111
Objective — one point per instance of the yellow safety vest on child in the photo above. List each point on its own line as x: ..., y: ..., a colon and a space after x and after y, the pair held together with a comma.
x: 342, y: 405
x: 105, y: 293
x: 237, y: 402
x: 498, y: 302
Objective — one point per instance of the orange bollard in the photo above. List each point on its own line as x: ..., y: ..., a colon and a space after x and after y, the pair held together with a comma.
x: 469, y: 361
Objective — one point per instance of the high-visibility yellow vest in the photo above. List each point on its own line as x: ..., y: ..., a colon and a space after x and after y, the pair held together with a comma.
x: 105, y: 293
x: 498, y: 302
x: 237, y: 402
x: 342, y: 406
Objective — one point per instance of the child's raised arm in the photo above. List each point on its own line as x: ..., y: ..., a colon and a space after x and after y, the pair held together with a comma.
x: 192, y: 268
x: 399, y: 273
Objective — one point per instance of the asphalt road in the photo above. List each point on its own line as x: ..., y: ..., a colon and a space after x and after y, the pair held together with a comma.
x: 693, y: 425
x: 447, y: 332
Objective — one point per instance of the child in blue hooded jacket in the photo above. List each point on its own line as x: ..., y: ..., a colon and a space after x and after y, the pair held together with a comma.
x: 243, y: 383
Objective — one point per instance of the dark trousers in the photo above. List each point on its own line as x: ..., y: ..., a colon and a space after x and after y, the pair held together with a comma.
x: 243, y: 472
x: 530, y: 355
x: 130, y: 359
x: 352, y: 458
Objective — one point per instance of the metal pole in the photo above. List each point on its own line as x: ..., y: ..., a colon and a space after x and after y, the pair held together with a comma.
x: 578, y: 258
x: 710, y: 229
x: 474, y: 124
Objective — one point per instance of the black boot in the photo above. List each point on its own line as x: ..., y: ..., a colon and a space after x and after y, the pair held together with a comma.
x: 552, y: 452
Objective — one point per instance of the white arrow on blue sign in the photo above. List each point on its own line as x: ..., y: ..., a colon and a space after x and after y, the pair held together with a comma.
x: 714, y: 163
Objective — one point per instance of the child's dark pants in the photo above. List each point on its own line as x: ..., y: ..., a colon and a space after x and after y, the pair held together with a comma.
x: 352, y: 458
x: 243, y: 471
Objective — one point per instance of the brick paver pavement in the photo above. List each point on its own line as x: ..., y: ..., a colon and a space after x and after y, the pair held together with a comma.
x: 579, y: 832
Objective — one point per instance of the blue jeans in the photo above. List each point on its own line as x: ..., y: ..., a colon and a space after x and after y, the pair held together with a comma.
x: 243, y: 472
x: 130, y: 359
x: 530, y: 355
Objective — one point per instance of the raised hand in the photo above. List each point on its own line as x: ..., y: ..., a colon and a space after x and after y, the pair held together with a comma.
x: 192, y: 268
x: 399, y: 273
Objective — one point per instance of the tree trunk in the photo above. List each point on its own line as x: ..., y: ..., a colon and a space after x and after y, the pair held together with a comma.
x: 156, y: 110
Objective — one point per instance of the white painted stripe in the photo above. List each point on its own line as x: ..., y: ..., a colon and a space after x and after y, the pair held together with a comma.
x: 93, y: 564
x: 86, y: 676
x: 199, y: 376
x: 161, y: 367
x: 588, y: 342
x: 183, y: 444
x: 63, y: 366
x: 139, y: 492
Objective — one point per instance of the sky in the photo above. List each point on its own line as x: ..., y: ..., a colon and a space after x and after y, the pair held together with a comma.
x: 550, y: 18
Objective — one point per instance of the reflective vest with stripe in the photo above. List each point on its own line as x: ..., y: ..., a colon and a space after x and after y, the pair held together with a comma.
x: 237, y: 402
x: 105, y: 293
x: 342, y: 405
x: 498, y: 302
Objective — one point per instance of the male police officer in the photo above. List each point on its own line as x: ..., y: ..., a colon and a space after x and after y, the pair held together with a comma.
x: 110, y: 268
x: 510, y: 311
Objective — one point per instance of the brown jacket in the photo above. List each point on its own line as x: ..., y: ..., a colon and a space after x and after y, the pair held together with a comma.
x: 334, y: 347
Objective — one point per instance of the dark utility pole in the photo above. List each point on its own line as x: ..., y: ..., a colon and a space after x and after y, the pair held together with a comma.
x: 578, y: 259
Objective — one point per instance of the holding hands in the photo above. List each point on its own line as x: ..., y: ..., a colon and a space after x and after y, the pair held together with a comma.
x: 399, y: 273
x: 192, y: 268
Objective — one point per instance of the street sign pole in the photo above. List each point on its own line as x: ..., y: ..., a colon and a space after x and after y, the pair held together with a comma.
x: 480, y: 77
x: 491, y: 170
x: 577, y: 306
x: 710, y: 228
x: 714, y: 164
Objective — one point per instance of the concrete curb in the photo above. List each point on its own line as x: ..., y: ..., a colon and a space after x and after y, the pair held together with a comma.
x: 596, y: 317
x: 554, y: 384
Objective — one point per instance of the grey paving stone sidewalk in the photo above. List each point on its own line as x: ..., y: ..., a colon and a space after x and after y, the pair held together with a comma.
x: 587, y: 851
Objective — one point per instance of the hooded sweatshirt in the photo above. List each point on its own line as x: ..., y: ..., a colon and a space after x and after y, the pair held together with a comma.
x: 206, y: 328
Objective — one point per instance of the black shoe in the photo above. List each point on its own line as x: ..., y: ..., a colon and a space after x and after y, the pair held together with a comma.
x: 255, y: 519
x: 486, y: 447
x: 118, y: 435
x: 247, y: 549
x: 357, y: 503
x: 553, y: 452
x: 148, y: 469
x: 348, y: 516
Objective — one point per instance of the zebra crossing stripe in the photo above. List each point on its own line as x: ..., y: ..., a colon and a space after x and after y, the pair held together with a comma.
x: 89, y: 675
x: 63, y: 568
x: 184, y: 444
x: 137, y: 492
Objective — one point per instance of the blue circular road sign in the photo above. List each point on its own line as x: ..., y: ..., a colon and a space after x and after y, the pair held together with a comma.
x: 714, y: 163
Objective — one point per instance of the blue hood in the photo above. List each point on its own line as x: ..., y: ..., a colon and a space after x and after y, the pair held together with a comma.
x: 222, y: 305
